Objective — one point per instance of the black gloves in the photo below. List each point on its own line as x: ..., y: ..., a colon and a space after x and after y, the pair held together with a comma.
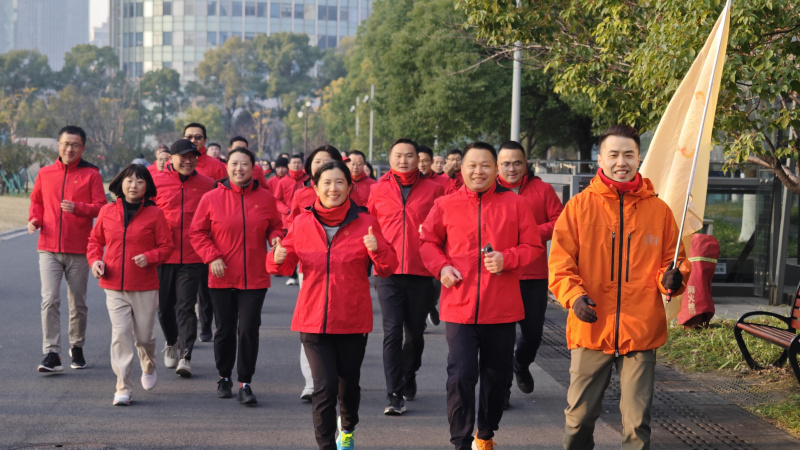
x: 672, y: 279
x: 582, y: 309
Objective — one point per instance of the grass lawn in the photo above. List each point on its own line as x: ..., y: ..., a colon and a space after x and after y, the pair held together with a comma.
x: 14, y: 212
x: 713, y: 350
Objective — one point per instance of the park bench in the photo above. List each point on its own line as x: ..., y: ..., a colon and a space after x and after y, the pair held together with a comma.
x: 786, y: 338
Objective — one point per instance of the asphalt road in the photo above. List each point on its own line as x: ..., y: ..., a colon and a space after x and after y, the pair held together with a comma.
x: 73, y: 409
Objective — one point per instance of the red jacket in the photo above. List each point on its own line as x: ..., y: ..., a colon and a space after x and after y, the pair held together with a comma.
x: 153, y: 169
x: 361, y: 190
x: 335, y: 296
x: 258, y: 175
x: 272, y: 185
x: 147, y: 233
x: 234, y: 224
x: 455, y: 231
x: 546, y: 208
x: 81, y: 183
x: 400, y: 221
x: 285, y: 193
x: 451, y: 185
x: 211, y: 167
x: 179, y: 202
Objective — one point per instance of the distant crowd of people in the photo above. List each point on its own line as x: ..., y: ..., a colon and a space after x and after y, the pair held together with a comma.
x: 458, y: 238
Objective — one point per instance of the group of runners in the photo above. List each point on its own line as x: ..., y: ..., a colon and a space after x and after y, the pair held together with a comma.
x: 468, y: 229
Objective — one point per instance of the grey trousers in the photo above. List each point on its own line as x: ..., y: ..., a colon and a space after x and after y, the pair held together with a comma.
x: 133, y: 319
x: 52, y: 268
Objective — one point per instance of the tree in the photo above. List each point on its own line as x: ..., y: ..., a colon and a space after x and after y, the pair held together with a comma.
x: 210, y: 117
x: 288, y: 59
x: 91, y: 69
x: 162, y: 90
x: 23, y: 73
x: 627, y: 58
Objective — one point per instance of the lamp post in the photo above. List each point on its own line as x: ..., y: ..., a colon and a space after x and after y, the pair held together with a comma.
x: 354, y: 109
x: 300, y: 115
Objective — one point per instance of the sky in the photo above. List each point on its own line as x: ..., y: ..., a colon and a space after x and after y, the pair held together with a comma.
x: 98, y: 13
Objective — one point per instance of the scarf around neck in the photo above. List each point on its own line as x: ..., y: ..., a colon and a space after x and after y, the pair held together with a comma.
x: 331, y: 217
x: 622, y: 186
x: 406, y: 178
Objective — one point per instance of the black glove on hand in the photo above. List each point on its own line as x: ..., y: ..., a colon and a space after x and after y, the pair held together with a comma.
x: 583, y: 311
x: 672, y: 279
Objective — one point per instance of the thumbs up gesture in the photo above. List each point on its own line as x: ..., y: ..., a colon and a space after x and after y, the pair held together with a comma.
x: 370, y: 241
x: 278, y: 252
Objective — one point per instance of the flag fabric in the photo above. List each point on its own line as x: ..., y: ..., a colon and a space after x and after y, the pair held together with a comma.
x: 668, y: 162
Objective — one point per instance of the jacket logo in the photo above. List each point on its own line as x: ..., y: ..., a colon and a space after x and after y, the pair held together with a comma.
x: 346, y: 233
x: 651, y: 239
x: 255, y: 206
x: 76, y: 181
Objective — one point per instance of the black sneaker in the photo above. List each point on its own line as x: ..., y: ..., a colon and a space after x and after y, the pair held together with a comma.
x: 246, y: 396
x: 78, y: 362
x: 206, y: 336
x: 396, y: 407
x: 524, y: 378
x: 224, y: 386
x: 51, y: 363
x: 410, y: 390
x: 433, y: 317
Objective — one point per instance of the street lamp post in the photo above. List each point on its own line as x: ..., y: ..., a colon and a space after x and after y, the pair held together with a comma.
x: 354, y: 109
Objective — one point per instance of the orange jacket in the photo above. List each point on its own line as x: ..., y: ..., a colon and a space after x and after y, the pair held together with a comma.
x: 617, y: 260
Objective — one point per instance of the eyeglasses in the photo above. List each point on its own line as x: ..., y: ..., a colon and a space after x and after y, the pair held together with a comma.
x: 515, y: 164
x: 195, y: 137
x: 71, y: 145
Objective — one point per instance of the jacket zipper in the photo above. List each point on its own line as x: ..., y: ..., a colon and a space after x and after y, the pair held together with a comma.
x: 628, y: 258
x: 480, y: 260
x: 619, y: 278
x: 403, y: 255
x: 181, y: 222
x: 327, y: 282
x: 61, y: 211
x: 124, y: 242
x: 613, y: 252
x: 244, y: 242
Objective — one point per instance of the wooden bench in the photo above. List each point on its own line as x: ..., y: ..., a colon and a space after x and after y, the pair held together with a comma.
x: 787, y: 338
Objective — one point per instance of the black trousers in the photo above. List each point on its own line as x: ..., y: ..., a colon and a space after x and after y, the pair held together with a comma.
x: 177, y: 295
x: 335, y: 361
x: 534, y: 297
x: 238, y: 314
x: 477, y: 352
x: 204, y: 299
x: 405, y: 303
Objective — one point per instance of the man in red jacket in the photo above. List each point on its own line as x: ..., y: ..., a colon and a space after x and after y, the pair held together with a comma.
x: 66, y: 198
x: 515, y: 175
x: 281, y: 169
x: 162, y: 156
x: 400, y: 201
x: 362, y: 183
x: 476, y: 240
x: 452, y: 179
x: 438, y: 164
x: 180, y: 188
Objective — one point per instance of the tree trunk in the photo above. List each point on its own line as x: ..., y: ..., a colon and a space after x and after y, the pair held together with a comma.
x: 748, y: 217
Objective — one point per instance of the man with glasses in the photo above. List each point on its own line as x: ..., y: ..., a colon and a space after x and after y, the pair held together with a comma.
x: 452, y: 181
x: 362, y: 183
x: 180, y: 188
x: 513, y: 174
x: 206, y: 165
x: 66, y: 198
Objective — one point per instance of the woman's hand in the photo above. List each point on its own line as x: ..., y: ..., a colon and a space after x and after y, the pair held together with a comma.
x: 98, y: 269
x: 278, y: 252
x: 217, y: 267
x: 370, y: 241
x: 140, y: 260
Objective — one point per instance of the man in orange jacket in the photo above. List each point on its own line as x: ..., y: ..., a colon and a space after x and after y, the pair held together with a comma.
x: 476, y: 241
x: 610, y: 262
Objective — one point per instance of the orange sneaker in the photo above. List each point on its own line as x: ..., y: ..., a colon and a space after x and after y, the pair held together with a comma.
x: 480, y: 444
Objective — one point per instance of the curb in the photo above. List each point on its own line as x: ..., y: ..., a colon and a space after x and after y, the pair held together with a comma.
x: 11, y: 234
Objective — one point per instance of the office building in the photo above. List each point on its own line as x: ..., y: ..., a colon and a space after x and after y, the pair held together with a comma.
x: 151, y: 34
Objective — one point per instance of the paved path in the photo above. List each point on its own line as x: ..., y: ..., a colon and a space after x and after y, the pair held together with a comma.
x: 73, y: 409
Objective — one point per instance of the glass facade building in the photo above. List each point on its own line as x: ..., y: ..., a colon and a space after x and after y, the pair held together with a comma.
x: 151, y: 34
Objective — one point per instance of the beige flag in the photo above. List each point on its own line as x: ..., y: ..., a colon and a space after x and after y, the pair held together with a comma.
x: 668, y: 163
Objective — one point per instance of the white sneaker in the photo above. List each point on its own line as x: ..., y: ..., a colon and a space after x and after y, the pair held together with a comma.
x: 291, y: 282
x: 149, y: 380
x: 306, y: 394
x: 184, y: 368
x: 122, y: 400
x: 171, y: 355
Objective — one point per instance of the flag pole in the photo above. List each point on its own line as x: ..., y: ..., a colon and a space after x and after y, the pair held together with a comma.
x: 720, y: 31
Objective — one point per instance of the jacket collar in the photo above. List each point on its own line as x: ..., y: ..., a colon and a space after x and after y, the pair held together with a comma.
x: 79, y: 163
x: 170, y: 169
x: 485, y: 195
x: 597, y: 186
x: 225, y: 183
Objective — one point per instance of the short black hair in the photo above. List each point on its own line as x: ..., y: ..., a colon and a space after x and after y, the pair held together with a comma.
x: 296, y: 156
x: 512, y: 145
x: 425, y: 149
x: 331, y: 150
x: 330, y: 165
x: 371, y: 170
x: 455, y: 151
x: 238, y: 138
x: 621, y: 130
x: 357, y: 152
x: 405, y: 141
x: 72, y: 129
x: 281, y: 162
x: 214, y: 144
x: 137, y: 170
x: 245, y: 151
x: 195, y: 125
x: 478, y: 145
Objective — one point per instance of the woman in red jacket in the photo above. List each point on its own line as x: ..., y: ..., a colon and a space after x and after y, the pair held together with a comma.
x: 335, y: 240
x: 230, y: 231
x: 136, y: 238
